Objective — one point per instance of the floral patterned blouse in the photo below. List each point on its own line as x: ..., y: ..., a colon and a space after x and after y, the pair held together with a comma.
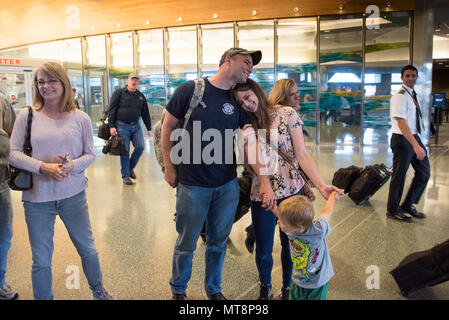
x: 286, y: 180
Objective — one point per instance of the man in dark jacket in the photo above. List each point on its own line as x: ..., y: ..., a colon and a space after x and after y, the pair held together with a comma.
x: 7, y: 117
x: 127, y: 105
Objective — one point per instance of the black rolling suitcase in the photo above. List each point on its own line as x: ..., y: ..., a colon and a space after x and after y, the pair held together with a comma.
x: 370, y: 180
x: 345, y: 177
x: 423, y: 269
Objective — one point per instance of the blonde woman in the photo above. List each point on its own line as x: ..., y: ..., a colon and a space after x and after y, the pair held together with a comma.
x: 285, y: 93
x: 58, y: 128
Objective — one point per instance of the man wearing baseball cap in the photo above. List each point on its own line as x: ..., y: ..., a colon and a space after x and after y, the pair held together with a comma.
x: 126, y: 107
x: 207, y: 192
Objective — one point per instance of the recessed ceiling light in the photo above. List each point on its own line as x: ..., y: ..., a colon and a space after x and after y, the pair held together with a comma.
x: 295, y: 9
x: 215, y: 16
x: 341, y: 6
x: 179, y: 19
x: 92, y: 29
x: 118, y: 25
x: 253, y: 13
x: 147, y: 22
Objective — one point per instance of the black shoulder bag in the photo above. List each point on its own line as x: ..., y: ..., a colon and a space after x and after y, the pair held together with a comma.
x: 20, y: 179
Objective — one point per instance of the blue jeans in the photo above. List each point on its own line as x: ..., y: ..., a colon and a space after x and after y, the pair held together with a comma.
x: 130, y: 133
x: 264, y: 223
x: 194, y: 206
x: 5, y: 228
x: 40, y: 218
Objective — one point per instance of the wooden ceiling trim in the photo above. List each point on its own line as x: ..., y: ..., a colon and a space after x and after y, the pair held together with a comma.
x: 34, y: 21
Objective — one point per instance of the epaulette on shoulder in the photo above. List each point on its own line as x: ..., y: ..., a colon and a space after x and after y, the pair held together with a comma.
x: 402, y: 91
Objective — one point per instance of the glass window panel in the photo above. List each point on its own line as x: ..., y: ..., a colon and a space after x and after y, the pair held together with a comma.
x: 96, y: 51
x: 150, y: 64
x: 387, y: 51
x: 182, y: 56
x: 340, y: 59
x: 297, y: 61
x: 12, y: 85
x: 121, y: 59
x: 259, y: 35
x: 216, y: 39
x: 95, y: 75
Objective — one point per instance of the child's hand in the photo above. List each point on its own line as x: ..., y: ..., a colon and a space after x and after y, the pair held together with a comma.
x: 337, y: 194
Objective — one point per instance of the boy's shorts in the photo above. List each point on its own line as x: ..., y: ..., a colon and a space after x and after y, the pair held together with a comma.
x: 298, y: 293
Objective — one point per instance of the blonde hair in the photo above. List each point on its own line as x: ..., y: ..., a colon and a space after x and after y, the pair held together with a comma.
x: 279, y: 93
x: 297, y: 211
x: 56, y: 71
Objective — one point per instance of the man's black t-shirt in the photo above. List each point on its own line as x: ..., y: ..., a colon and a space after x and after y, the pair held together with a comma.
x: 211, y: 162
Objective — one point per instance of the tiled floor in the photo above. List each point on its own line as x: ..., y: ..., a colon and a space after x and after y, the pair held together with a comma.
x: 135, y: 233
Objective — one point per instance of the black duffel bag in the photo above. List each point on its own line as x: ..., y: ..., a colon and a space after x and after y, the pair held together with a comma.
x: 103, y: 131
x: 115, y: 146
x: 345, y: 177
x: 423, y: 269
x: 370, y: 180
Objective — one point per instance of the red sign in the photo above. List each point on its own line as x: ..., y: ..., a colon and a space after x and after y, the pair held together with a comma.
x: 9, y: 61
x: 13, y: 97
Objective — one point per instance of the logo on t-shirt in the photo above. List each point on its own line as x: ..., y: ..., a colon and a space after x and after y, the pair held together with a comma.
x: 228, y: 109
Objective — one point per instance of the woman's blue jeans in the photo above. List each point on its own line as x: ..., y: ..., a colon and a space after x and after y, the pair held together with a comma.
x: 194, y: 206
x: 264, y: 223
x: 130, y: 133
x: 6, y: 215
x: 40, y: 218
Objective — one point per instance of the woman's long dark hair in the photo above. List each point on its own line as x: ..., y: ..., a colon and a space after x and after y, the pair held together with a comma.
x: 260, y: 119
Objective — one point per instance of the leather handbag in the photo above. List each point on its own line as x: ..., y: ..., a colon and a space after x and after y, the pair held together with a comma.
x: 103, y: 131
x: 20, y: 179
x: 115, y: 146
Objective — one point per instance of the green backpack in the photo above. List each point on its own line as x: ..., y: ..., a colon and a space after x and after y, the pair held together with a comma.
x: 197, y: 99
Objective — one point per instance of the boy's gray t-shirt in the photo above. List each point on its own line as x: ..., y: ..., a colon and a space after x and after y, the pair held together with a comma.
x: 312, y: 266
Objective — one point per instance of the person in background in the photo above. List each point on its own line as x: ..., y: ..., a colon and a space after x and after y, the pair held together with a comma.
x: 126, y: 107
x: 74, y: 98
x: 58, y: 129
x: 285, y: 182
x: 7, y: 117
x: 407, y: 148
x: 285, y: 92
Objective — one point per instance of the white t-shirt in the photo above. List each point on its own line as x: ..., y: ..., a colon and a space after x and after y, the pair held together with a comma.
x: 402, y: 106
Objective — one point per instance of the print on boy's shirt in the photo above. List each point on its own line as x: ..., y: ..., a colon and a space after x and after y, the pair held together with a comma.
x: 301, y: 258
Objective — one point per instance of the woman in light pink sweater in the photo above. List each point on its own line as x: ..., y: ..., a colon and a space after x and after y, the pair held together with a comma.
x: 57, y: 128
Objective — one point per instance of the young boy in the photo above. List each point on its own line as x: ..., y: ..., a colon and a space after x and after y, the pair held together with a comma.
x: 312, y: 266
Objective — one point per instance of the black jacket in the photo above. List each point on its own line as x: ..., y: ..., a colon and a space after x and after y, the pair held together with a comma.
x: 128, y: 107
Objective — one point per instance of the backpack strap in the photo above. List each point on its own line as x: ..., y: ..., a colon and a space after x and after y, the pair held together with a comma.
x: 197, y: 98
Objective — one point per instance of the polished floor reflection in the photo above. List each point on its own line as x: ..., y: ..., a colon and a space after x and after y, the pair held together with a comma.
x: 135, y: 233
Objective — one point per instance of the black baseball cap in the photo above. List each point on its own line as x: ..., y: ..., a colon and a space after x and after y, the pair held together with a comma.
x: 255, y: 54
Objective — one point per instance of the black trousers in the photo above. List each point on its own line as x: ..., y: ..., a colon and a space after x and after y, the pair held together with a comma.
x: 403, y: 156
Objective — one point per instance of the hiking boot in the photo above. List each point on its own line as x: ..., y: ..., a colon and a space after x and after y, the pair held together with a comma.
x: 102, y: 295
x: 178, y: 296
x: 216, y: 296
x: 7, y: 293
x: 265, y: 292
x: 127, y: 181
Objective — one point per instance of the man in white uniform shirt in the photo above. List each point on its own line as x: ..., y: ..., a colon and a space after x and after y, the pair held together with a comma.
x: 406, y: 125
